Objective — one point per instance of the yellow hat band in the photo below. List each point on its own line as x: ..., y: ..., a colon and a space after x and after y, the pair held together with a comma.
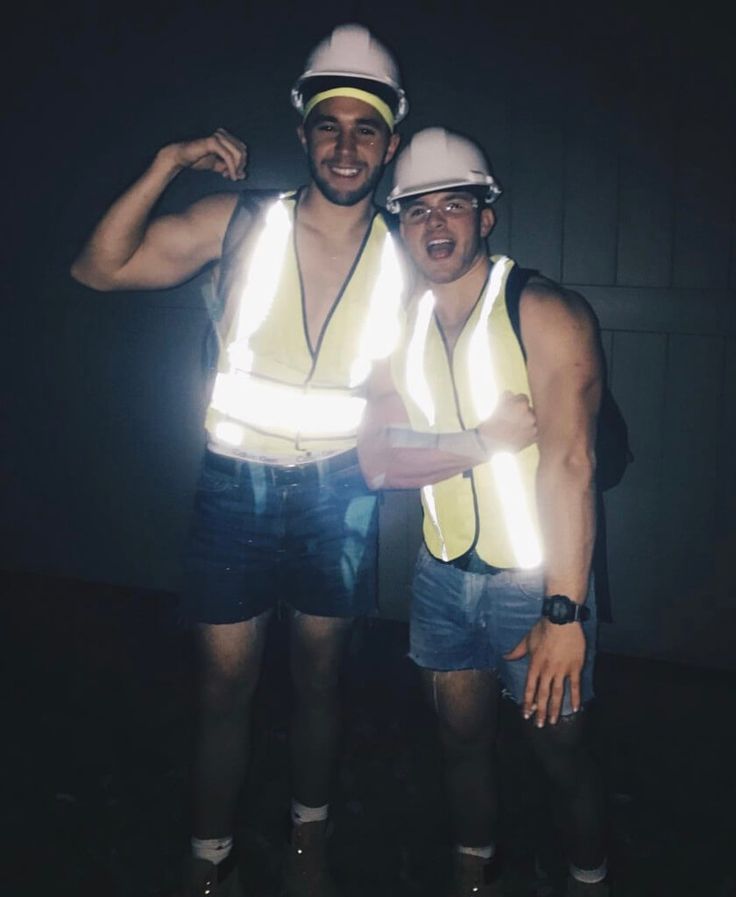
x: 383, y: 109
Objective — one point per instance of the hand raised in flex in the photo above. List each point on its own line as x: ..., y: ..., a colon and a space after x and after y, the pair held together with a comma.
x: 221, y: 152
x: 511, y: 427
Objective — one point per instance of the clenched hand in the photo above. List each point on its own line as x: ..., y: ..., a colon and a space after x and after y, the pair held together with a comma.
x: 221, y: 152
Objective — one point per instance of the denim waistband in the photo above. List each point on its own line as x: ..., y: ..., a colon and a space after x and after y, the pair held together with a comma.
x: 471, y: 562
x: 242, y: 468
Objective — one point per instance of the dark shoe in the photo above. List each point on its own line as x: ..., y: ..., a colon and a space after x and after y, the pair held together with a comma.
x: 205, y: 879
x: 577, y: 888
x: 474, y: 877
x: 305, y: 871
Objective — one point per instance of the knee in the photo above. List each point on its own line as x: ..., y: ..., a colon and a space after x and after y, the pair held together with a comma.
x: 463, y: 737
x: 226, y: 692
x: 566, y: 735
x: 561, y: 750
x: 317, y: 686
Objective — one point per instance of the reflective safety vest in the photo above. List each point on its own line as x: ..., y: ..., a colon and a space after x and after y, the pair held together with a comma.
x: 273, y: 395
x: 491, y: 508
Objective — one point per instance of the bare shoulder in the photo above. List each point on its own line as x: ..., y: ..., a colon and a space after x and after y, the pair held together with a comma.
x: 212, y: 214
x: 545, y: 302
x: 558, y: 327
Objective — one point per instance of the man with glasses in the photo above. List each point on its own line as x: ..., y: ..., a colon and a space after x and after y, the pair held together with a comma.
x: 309, y: 289
x: 502, y: 594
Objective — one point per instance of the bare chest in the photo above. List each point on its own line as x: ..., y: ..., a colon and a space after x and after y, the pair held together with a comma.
x: 325, y: 267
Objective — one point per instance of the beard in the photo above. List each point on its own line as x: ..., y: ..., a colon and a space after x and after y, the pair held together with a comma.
x: 347, y: 197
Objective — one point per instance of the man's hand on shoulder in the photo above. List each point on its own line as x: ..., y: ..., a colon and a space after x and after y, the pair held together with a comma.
x: 221, y: 152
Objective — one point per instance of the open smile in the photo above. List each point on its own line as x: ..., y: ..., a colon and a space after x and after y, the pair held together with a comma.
x: 344, y: 171
x: 440, y: 247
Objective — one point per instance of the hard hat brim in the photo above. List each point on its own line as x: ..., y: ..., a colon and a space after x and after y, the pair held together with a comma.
x: 395, y: 197
x: 401, y: 104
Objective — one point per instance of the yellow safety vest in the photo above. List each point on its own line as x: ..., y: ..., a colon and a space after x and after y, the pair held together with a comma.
x: 272, y: 395
x: 492, y: 508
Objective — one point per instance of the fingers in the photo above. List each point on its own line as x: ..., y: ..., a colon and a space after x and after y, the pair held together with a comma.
x: 233, y: 152
x: 517, y: 652
x: 530, y: 701
x: 557, y: 693
x: 575, y: 696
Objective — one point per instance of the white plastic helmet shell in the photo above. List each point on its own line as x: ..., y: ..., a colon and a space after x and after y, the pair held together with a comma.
x: 351, y: 51
x: 436, y: 159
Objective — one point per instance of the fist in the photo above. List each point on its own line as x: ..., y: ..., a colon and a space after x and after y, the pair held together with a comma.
x: 512, y: 426
x: 221, y: 152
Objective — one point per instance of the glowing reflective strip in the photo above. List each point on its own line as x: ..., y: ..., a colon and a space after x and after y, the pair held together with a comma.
x: 428, y: 493
x: 229, y: 432
x: 281, y: 409
x: 381, y: 329
x: 266, y: 265
x: 483, y: 388
x: 516, y: 511
x: 506, y: 471
x: 416, y: 377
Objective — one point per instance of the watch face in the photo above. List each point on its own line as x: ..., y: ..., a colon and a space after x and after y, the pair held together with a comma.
x: 558, y: 610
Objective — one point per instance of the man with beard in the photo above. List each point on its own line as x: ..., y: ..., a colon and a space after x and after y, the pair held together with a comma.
x: 308, y: 288
x: 502, y: 592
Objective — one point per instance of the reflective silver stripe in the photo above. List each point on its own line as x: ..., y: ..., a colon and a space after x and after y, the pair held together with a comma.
x: 417, y: 384
x: 483, y: 387
x: 507, y: 477
x: 431, y: 505
x: 517, y: 513
x: 264, y: 273
x: 380, y: 332
x: 283, y: 410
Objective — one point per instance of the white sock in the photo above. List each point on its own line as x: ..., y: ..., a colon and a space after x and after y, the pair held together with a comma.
x: 301, y: 814
x: 589, y: 876
x: 212, y: 849
x: 485, y: 853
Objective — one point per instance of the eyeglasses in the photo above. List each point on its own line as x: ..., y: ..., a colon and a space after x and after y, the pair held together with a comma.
x: 418, y: 213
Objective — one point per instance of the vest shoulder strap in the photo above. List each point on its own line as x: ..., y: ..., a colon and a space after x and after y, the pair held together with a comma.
x: 250, y: 204
x: 249, y: 207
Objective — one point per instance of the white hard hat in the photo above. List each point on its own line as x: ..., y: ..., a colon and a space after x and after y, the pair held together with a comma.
x: 436, y: 159
x: 351, y: 51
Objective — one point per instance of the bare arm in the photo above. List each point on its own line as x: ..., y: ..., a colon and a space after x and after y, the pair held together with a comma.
x: 129, y: 251
x: 564, y: 368
x: 393, y: 456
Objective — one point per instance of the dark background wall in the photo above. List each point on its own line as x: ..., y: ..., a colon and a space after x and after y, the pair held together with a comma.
x: 612, y: 131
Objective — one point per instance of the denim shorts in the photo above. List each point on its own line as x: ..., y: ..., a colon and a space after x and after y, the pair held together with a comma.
x: 463, y: 621
x: 306, y: 535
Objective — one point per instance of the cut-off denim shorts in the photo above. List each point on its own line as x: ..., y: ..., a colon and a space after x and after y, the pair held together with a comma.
x: 260, y: 534
x: 464, y: 621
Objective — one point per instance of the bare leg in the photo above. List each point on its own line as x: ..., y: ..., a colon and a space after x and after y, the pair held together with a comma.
x: 466, y: 703
x: 230, y: 657
x: 317, y: 648
x: 577, y: 792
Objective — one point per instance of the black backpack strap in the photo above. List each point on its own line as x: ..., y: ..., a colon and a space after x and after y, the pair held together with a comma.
x: 515, y: 283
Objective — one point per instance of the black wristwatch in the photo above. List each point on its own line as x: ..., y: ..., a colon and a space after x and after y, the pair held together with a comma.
x: 561, y: 609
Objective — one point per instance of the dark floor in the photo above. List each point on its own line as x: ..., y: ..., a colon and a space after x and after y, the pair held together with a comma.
x: 97, y: 726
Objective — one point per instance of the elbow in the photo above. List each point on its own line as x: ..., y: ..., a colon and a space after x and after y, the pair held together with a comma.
x: 576, y: 467
x: 79, y: 273
x: 90, y: 276
x: 373, y: 474
x: 377, y: 477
